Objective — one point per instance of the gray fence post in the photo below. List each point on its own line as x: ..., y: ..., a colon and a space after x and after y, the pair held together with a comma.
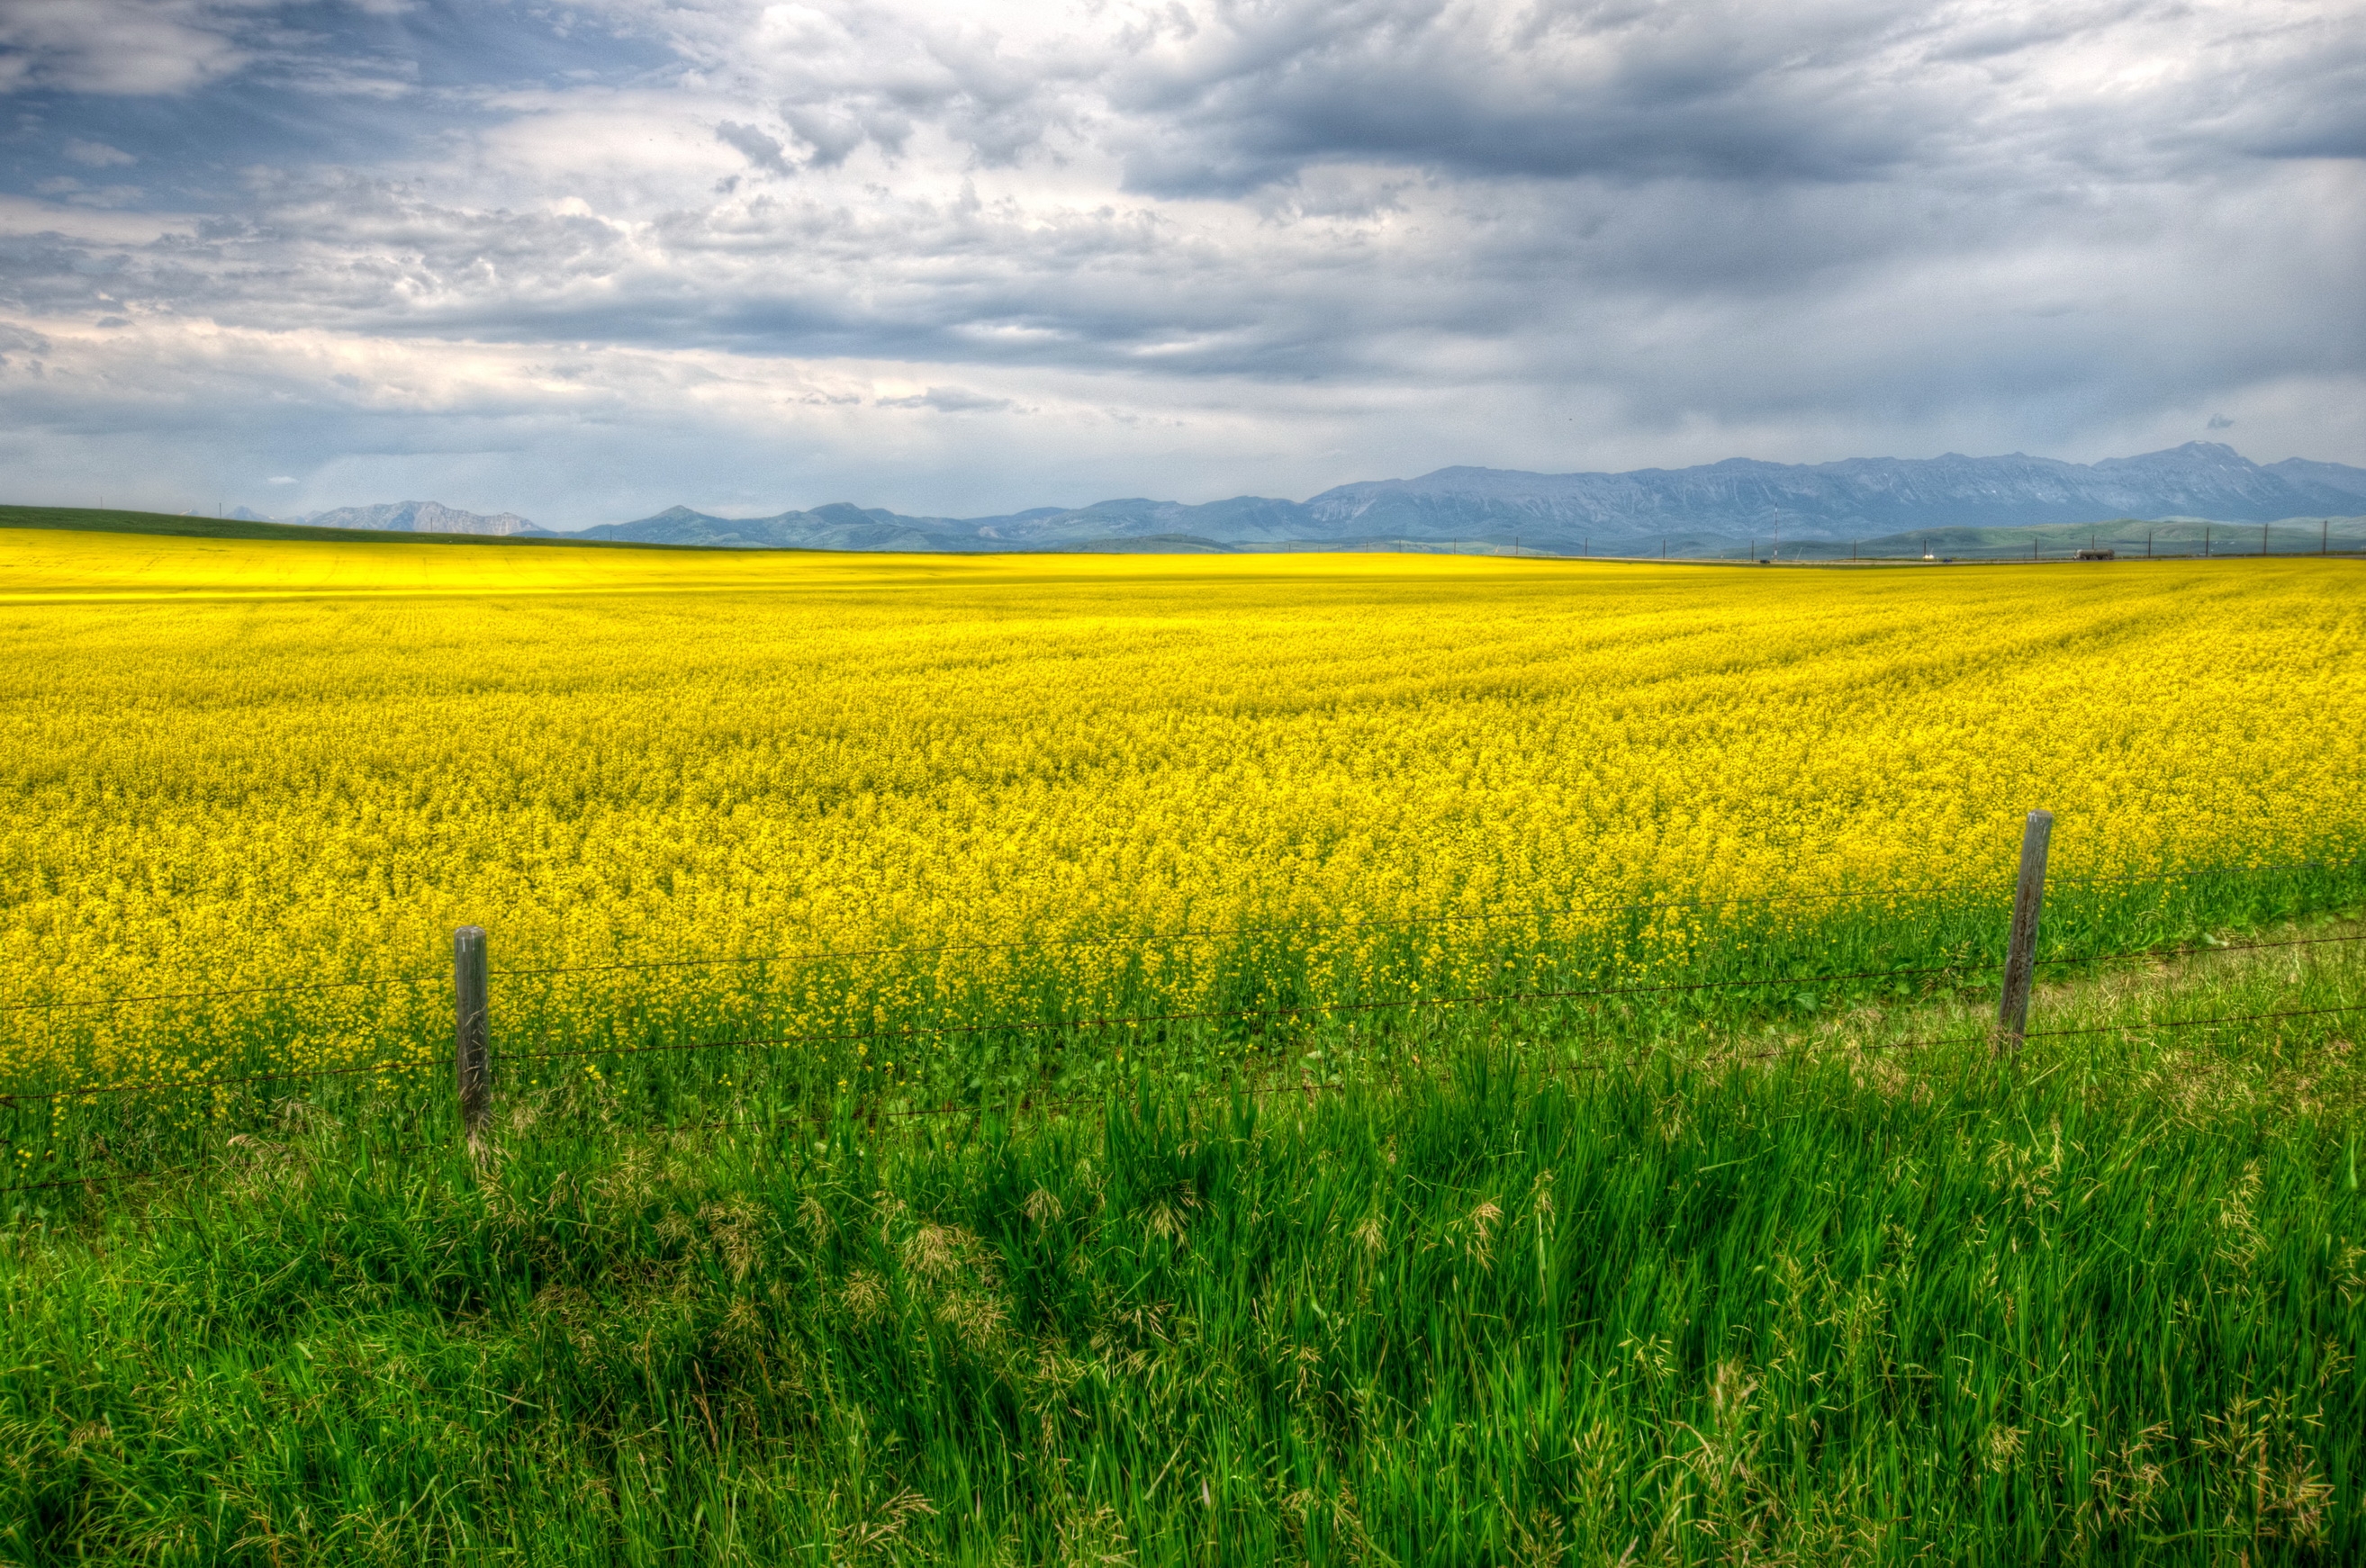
x: 2021, y: 948
x: 472, y: 1034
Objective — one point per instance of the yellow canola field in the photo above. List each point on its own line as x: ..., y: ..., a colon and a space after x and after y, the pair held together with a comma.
x: 233, y: 765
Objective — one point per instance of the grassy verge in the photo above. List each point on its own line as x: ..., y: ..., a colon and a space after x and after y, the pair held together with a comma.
x: 900, y: 1029
x: 1818, y: 1294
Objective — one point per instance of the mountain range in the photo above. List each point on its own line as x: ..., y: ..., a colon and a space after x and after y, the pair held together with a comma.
x: 1694, y: 510
x: 407, y: 517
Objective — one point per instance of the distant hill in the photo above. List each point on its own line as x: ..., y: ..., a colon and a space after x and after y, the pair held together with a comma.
x: 1103, y: 525
x: 109, y: 519
x: 836, y: 527
x: 420, y: 517
x: 1699, y: 511
x: 1856, y: 498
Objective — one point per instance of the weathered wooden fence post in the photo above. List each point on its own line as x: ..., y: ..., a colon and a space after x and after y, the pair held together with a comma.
x: 472, y: 1034
x: 2021, y: 946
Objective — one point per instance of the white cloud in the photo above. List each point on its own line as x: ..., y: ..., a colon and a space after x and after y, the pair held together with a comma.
x: 1200, y: 247
x: 97, y: 154
x: 949, y: 400
x: 121, y: 47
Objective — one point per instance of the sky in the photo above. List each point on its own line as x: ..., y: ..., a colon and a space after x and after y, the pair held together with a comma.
x: 586, y: 261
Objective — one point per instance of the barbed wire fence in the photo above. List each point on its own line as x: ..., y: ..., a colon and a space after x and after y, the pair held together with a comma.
x: 2286, y: 538
x: 473, y: 1060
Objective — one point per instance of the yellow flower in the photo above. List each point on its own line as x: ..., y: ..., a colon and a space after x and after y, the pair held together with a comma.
x: 963, y: 791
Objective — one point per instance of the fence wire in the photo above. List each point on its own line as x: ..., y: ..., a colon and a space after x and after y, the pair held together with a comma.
x: 1190, y: 935
x: 1082, y: 1026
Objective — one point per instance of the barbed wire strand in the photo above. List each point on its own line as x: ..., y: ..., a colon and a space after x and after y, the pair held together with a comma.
x: 1527, y: 913
x: 1207, y: 1015
x: 389, y: 1065
x: 1221, y: 933
x: 1186, y: 935
x: 1031, y: 1025
x: 381, y: 983
x: 118, y: 1178
x: 1240, y: 1015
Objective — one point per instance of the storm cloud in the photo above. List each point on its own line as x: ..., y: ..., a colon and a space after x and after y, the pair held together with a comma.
x: 585, y: 264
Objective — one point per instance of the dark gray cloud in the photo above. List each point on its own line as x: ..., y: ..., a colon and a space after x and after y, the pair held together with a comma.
x: 754, y: 145
x: 1727, y: 92
x: 1191, y: 250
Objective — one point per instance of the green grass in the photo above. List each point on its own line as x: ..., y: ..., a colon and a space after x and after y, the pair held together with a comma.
x: 1781, y: 1297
